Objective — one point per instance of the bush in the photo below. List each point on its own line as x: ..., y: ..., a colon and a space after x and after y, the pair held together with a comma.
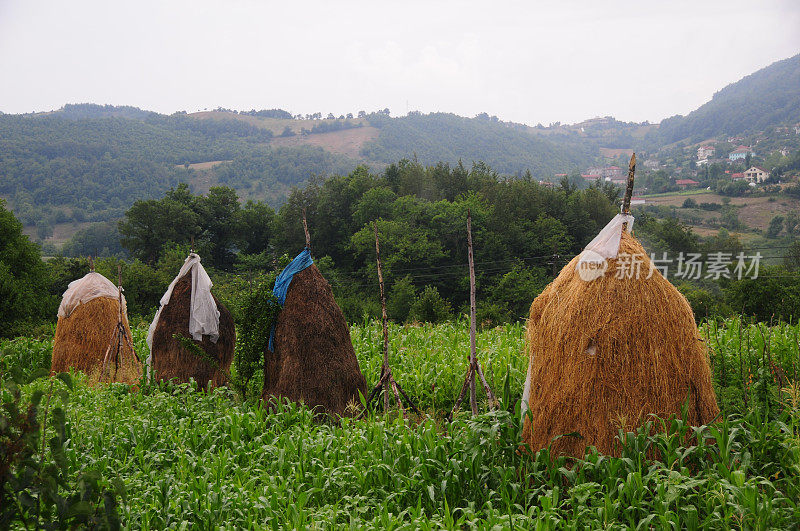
x: 401, y: 299
x: 689, y: 203
x: 430, y: 307
x: 24, y: 279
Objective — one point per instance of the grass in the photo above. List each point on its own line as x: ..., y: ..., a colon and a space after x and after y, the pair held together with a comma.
x: 206, y: 460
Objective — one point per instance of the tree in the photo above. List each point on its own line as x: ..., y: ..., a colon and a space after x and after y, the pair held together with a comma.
x: 149, y: 225
x: 775, y: 227
x: 401, y: 299
x: 219, y: 217
x: 24, y: 279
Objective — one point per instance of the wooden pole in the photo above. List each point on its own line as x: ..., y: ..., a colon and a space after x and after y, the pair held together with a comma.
x: 626, y: 202
x: 305, y: 230
x: 385, y: 367
x: 474, y: 364
x: 473, y: 400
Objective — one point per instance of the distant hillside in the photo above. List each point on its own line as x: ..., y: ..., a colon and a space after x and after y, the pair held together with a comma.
x: 766, y: 98
x: 507, y: 148
x: 88, y: 163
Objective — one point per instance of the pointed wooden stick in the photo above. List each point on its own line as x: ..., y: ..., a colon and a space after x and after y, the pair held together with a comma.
x: 473, y: 401
x: 305, y: 230
x: 626, y: 202
x: 385, y: 367
x: 474, y: 364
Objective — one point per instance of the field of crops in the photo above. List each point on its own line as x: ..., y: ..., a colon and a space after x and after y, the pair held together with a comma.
x: 178, y: 458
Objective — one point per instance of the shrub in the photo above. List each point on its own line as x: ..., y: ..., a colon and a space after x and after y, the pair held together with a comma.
x: 401, y: 299
x: 430, y: 307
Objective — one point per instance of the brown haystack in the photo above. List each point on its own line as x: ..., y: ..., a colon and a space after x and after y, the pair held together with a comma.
x: 172, y: 360
x: 606, y: 354
x: 83, y: 337
x: 314, y: 361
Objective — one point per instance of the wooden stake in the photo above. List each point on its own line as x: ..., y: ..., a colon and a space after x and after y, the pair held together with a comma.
x: 473, y: 401
x: 626, y: 202
x: 385, y: 366
x: 386, y: 379
x: 305, y: 230
x: 474, y: 365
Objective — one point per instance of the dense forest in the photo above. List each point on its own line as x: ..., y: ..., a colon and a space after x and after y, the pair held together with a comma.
x: 90, y: 163
x: 765, y: 98
x: 511, y: 149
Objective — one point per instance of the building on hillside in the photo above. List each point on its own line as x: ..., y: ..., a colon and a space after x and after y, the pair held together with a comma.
x: 703, y: 162
x: 683, y: 184
x: 705, y: 152
x: 591, y: 176
x: 637, y: 201
x: 652, y: 164
x: 610, y: 173
x: 740, y: 153
x: 738, y: 177
x: 756, y: 175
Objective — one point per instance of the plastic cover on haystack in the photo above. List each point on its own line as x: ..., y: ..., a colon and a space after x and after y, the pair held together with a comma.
x: 203, y: 312
x: 84, y: 289
x: 605, y: 245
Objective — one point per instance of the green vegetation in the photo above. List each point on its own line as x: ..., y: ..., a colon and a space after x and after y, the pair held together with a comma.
x: 24, y: 278
x: 183, y: 457
x: 507, y: 147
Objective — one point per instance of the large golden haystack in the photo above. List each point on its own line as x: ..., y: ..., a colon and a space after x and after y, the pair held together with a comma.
x: 83, y: 337
x: 606, y: 354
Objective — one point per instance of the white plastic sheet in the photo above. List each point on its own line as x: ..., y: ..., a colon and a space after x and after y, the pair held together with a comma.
x: 593, y: 260
x: 203, y: 312
x: 84, y: 289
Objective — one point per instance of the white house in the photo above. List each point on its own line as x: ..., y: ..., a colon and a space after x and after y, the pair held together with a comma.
x: 705, y: 152
x: 756, y: 175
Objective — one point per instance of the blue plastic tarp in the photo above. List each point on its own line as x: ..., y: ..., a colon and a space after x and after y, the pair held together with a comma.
x: 301, y: 261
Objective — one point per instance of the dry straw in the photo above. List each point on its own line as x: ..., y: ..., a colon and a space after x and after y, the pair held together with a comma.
x: 83, y: 337
x: 171, y: 359
x: 314, y: 361
x: 606, y: 354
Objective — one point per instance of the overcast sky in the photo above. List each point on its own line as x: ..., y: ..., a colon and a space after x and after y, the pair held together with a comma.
x: 522, y: 61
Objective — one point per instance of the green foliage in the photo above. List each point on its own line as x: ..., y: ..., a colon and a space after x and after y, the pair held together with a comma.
x: 510, y: 148
x: 430, y: 307
x: 401, y: 299
x: 38, y: 487
x: 689, y: 203
x: 255, y: 310
x: 186, y: 458
x: 24, y: 279
x: 775, y: 294
x: 775, y: 226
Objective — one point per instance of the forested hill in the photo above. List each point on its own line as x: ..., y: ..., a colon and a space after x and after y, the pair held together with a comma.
x: 90, y: 162
x: 766, y: 98
x: 508, y: 148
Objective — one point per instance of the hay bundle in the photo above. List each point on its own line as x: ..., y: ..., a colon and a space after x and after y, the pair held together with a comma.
x: 192, y: 334
x: 87, y: 322
x: 605, y: 354
x: 313, y: 359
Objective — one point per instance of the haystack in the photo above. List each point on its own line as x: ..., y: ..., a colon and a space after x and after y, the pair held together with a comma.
x: 87, y: 322
x: 312, y: 360
x: 191, y: 314
x: 607, y: 353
